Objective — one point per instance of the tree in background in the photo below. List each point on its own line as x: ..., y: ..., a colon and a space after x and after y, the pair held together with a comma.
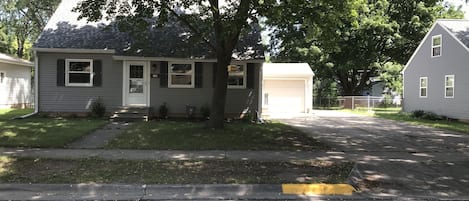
x: 22, y: 21
x: 367, y: 39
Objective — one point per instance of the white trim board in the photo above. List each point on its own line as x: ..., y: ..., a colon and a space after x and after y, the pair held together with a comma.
x: 71, y: 50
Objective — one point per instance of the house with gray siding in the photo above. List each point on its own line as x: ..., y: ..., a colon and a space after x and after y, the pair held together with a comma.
x: 79, y: 62
x: 436, y: 76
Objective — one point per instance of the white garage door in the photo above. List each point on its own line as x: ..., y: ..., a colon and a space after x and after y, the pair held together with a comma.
x: 284, y: 96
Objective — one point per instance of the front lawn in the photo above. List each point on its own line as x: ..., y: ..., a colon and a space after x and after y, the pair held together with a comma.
x: 29, y: 170
x: 43, y: 132
x: 396, y: 114
x: 183, y: 135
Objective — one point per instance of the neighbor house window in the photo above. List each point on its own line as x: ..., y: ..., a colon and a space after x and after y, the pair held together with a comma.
x: 79, y: 72
x: 449, y: 86
x: 181, y: 75
x: 423, y: 87
x: 237, y: 76
x: 436, y: 46
x: 2, y: 77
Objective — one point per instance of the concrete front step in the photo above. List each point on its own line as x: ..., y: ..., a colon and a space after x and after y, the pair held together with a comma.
x: 131, y: 114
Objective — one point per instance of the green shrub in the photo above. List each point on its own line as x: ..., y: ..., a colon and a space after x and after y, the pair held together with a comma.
x: 431, y: 116
x: 418, y: 113
x: 98, y: 109
x: 205, y: 111
x: 163, y: 111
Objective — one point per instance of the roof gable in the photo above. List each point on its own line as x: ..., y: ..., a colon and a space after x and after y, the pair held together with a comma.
x: 65, y: 31
x: 456, y: 28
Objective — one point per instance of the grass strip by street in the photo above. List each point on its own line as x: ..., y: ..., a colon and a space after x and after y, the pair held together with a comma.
x: 92, y: 170
x: 397, y: 115
x: 43, y: 132
x: 184, y: 135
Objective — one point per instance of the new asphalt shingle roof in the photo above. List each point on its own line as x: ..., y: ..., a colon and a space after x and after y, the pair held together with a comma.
x: 65, y: 31
x: 457, y: 27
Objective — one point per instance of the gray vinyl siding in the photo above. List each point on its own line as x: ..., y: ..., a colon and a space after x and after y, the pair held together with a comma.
x: 53, y: 98
x: 454, y: 60
x: 177, y: 98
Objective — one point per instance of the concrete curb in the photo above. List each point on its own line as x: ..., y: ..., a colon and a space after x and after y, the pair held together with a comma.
x: 65, y: 192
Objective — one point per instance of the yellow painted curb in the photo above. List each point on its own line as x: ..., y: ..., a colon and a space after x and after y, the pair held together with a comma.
x: 318, y: 189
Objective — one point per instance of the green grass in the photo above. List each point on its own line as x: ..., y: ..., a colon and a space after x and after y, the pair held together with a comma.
x: 396, y: 114
x: 30, y: 170
x: 183, y: 135
x: 42, y: 132
x: 6, y: 114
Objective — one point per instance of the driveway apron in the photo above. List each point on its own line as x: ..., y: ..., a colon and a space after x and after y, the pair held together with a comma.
x: 395, y: 158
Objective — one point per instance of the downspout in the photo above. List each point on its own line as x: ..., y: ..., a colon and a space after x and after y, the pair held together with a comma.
x: 260, y: 91
x: 36, y: 88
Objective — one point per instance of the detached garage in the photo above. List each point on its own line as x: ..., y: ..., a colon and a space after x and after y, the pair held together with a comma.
x: 287, y: 88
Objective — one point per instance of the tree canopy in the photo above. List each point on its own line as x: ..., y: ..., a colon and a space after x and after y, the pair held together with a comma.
x: 366, y: 39
x: 21, y: 22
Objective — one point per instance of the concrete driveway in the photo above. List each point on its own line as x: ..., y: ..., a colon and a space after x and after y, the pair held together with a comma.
x: 395, y: 158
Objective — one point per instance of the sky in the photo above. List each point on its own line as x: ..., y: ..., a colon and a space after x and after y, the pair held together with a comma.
x: 465, y: 7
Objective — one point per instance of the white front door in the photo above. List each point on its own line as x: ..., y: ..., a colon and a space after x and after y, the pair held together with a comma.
x: 136, y: 83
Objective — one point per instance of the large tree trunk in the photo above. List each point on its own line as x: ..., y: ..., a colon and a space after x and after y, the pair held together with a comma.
x: 217, y: 114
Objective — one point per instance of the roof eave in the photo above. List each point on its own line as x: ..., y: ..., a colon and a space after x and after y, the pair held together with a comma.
x: 20, y: 63
x: 72, y: 50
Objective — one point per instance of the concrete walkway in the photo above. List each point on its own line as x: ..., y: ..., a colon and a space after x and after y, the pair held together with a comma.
x: 100, y: 137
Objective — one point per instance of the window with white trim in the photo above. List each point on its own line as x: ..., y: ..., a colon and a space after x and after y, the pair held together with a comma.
x: 79, y: 72
x: 449, y: 86
x: 436, y: 46
x: 423, y: 87
x: 237, y: 76
x: 181, y: 75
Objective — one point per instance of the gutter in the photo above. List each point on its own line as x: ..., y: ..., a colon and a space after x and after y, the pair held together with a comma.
x: 36, y: 88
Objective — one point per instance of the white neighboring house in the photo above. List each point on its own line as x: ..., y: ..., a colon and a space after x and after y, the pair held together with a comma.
x: 287, y: 88
x: 15, y: 82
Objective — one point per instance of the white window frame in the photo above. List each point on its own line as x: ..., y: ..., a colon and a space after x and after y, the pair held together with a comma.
x: 67, y: 73
x: 245, y: 67
x: 436, y: 46
x: 421, y: 87
x: 2, y: 79
x: 192, y: 74
x: 447, y: 76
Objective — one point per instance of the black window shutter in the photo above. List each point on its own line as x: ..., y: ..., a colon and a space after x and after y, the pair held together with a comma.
x: 98, y: 73
x: 199, y: 71
x: 250, y: 75
x: 61, y: 72
x: 214, y: 74
x: 164, y: 74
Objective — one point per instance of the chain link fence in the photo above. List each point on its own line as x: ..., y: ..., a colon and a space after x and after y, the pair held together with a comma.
x: 357, y: 102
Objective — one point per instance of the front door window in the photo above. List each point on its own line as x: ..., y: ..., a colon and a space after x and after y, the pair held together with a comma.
x: 136, y: 79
